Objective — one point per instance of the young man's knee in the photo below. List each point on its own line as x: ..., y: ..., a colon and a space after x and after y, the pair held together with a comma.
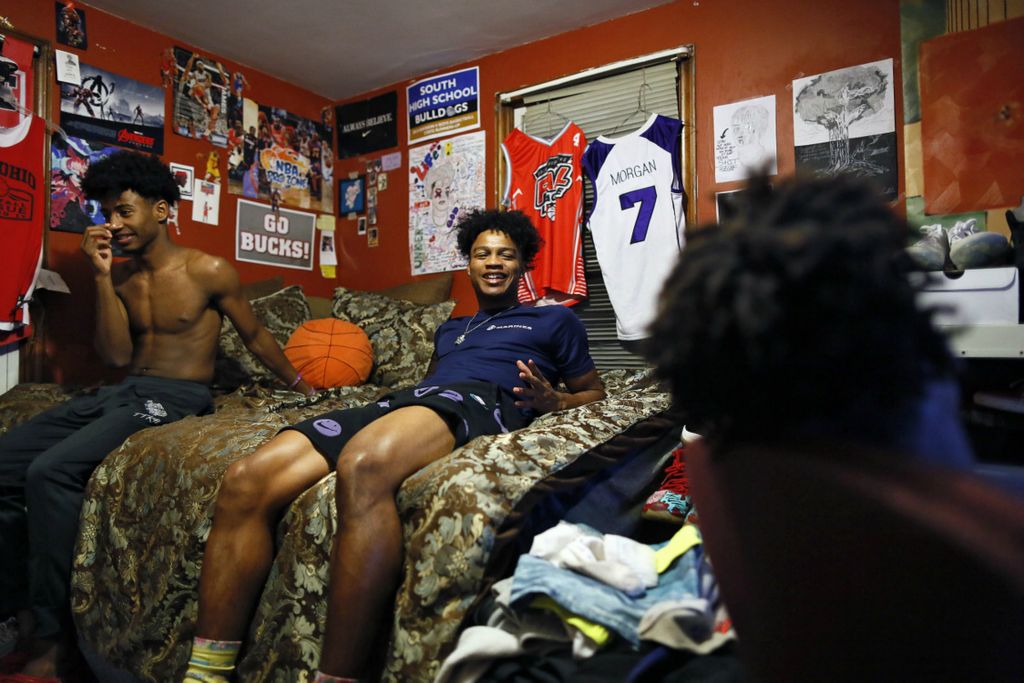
x: 242, y: 488
x: 366, y: 470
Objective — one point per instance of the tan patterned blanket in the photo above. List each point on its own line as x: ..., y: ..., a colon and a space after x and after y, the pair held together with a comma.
x: 149, y: 505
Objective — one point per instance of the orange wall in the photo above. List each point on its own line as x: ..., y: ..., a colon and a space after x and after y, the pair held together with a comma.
x: 127, y: 49
x: 743, y: 49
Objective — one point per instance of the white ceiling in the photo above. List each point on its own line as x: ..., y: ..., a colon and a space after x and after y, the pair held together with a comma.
x: 341, y: 48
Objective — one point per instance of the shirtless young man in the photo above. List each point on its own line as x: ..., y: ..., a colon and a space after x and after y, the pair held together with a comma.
x: 492, y: 372
x: 159, y: 313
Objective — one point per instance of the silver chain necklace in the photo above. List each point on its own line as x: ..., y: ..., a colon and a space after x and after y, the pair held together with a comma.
x: 462, y: 337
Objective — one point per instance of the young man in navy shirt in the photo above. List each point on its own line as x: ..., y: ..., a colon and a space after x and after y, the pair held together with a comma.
x: 492, y: 372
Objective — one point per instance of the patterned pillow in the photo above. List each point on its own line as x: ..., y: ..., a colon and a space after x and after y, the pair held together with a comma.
x: 402, y: 333
x: 281, y: 313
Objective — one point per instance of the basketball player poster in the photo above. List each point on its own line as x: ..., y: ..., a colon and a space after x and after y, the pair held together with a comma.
x: 284, y: 154
x: 205, y: 202
x: 201, y: 89
x: 282, y: 238
x: 114, y: 110
x: 446, y: 180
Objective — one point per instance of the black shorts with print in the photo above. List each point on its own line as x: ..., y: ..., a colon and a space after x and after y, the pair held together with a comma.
x: 471, y: 409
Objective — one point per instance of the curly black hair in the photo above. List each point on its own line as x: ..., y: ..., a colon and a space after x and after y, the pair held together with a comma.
x: 515, y: 224
x: 145, y: 175
x: 798, y: 311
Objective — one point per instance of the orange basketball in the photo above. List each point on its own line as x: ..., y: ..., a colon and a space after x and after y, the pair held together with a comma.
x: 330, y: 353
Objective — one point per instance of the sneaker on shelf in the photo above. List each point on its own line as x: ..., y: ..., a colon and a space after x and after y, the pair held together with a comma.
x: 671, y: 502
x: 931, y: 250
x: 1009, y: 401
x: 970, y: 247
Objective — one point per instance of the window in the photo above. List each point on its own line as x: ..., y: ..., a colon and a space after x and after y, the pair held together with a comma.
x: 611, y: 100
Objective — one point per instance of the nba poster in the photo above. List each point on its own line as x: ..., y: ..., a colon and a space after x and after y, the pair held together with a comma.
x: 282, y: 238
x: 281, y: 158
x: 70, y: 211
x: 446, y: 180
x: 445, y: 104
x: 201, y: 89
x: 113, y: 110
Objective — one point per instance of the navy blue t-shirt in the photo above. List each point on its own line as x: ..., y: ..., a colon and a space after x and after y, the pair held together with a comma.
x: 552, y: 336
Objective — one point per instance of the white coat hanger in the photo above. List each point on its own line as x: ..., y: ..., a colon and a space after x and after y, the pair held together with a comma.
x: 641, y: 102
x: 530, y: 121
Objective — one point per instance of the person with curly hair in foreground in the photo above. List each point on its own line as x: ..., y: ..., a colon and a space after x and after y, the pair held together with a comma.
x: 799, y: 317
x: 492, y: 372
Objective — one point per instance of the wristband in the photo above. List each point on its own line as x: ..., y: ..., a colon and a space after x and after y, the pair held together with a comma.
x: 298, y: 378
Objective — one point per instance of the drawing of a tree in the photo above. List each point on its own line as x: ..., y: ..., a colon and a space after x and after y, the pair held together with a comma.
x: 838, y: 99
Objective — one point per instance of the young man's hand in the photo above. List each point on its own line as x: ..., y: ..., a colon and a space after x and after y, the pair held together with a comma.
x: 538, y: 394
x: 96, y: 245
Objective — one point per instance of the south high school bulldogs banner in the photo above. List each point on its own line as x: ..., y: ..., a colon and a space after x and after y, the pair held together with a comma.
x: 113, y: 110
x: 445, y: 104
x: 368, y: 125
x: 283, y: 238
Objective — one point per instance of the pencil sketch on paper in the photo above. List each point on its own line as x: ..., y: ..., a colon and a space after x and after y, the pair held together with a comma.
x: 844, y: 122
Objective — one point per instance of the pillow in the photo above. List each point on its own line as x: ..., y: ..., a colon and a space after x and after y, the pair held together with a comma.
x: 262, y: 288
x: 329, y: 352
x: 402, y: 333
x: 281, y: 313
x: 432, y: 290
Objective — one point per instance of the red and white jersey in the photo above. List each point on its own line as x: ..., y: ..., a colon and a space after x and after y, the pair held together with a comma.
x: 637, y: 219
x: 21, y: 217
x: 545, y: 181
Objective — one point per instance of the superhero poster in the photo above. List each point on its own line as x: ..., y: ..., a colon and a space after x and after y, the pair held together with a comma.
x: 281, y: 158
x: 113, y: 109
x: 70, y: 211
x: 201, y: 90
x: 71, y: 26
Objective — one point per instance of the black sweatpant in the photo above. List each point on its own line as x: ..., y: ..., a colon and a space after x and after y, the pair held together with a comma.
x: 45, y: 465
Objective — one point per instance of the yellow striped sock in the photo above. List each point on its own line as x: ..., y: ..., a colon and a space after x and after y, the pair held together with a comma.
x: 212, y: 661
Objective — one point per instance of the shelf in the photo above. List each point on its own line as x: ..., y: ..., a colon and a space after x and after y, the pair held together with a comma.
x: 985, y: 341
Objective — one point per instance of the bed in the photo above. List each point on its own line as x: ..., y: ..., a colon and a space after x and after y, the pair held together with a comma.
x: 148, y: 506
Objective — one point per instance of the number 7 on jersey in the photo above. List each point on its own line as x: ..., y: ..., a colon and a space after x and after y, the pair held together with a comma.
x: 646, y: 197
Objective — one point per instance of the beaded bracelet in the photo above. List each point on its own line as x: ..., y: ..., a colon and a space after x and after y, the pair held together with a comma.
x: 298, y: 378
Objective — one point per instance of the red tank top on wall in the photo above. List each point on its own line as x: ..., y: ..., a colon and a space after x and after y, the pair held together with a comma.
x: 545, y: 182
x: 21, y: 217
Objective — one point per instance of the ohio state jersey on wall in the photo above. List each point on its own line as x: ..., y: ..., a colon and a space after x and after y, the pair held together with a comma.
x: 637, y: 219
x: 21, y: 217
x: 545, y: 182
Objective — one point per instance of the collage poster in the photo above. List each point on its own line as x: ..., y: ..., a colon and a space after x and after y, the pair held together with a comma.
x: 201, y: 89
x: 69, y: 160
x: 446, y: 180
x: 279, y: 157
x: 113, y: 109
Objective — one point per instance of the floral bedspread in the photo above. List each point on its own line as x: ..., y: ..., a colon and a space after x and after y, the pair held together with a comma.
x: 148, y: 512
